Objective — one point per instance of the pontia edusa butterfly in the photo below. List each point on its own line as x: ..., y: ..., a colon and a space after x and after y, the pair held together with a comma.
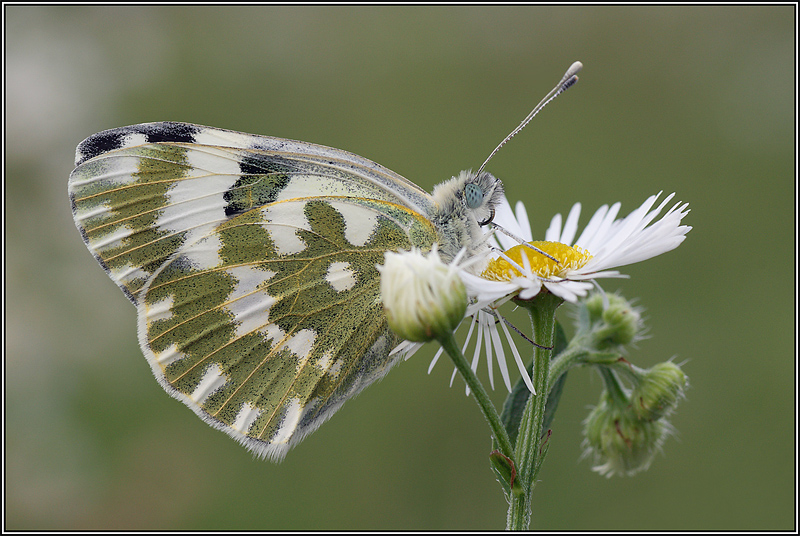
x: 251, y: 261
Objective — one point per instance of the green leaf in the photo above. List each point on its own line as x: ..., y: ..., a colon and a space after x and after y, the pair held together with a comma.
x: 506, y: 473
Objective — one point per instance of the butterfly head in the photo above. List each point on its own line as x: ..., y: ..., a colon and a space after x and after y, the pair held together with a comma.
x: 465, y: 205
x: 482, y: 193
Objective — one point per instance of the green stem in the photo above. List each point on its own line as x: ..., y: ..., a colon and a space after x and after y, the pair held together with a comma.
x: 529, y: 453
x: 578, y: 353
x: 448, y: 342
x: 615, y: 389
x: 572, y: 356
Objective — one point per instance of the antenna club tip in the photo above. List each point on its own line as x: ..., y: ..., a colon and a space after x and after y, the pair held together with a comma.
x: 573, y: 69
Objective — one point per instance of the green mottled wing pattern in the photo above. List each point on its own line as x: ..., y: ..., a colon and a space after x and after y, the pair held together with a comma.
x: 251, y: 261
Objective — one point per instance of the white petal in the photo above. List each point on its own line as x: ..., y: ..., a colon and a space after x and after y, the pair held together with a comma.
x: 504, y: 217
x: 591, y: 228
x: 524, y: 225
x: 605, y: 224
x: 625, y: 228
x: 498, y: 345
x: 569, y: 290
x: 524, y: 372
x: 487, y: 325
x: 571, y: 227
x: 503, y: 366
x: 435, y: 358
x: 531, y: 289
x: 553, y: 233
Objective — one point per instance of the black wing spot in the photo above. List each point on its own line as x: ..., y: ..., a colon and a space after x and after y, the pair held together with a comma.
x: 169, y: 131
x: 263, y: 177
x: 98, y: 144
x: 110, y: 140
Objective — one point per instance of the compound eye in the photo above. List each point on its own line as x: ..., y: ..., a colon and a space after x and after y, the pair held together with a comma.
x: 474, y: 195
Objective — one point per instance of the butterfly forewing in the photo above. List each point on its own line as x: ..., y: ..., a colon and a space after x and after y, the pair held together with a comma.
x: 252, y: 266
x: 140, y: 193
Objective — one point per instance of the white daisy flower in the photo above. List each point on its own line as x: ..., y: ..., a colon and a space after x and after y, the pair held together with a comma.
x: 605, y: 243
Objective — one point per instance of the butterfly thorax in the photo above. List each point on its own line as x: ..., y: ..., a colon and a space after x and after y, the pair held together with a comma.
x: 463, y: 211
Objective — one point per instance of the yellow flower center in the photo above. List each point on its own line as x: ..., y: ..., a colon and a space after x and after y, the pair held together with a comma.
x: 569, y: 258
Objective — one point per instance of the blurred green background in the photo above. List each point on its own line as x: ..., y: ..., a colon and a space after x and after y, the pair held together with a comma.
x: 693, y: 100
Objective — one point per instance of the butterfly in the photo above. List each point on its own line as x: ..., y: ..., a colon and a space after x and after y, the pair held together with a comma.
x: 251, y: 261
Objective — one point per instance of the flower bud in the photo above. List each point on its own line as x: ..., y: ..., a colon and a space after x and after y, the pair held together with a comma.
x: 423, y: 298
x: 658, y: 391
x: 615, y: 321
x: 620, y: 442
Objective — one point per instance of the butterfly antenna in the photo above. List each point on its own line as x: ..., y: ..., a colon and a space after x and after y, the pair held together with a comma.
x: 569, y: 78
x: 522, y: 242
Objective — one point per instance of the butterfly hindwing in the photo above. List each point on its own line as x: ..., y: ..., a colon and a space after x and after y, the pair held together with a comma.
x: 252, y: 264
x: 265, y: 337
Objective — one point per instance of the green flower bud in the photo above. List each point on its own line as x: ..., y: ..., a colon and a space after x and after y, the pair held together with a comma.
x: 423, y: 297
x: 619, y: 441
x: 658, y: 391
x: 615, y: 322
x: 595, y: 305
